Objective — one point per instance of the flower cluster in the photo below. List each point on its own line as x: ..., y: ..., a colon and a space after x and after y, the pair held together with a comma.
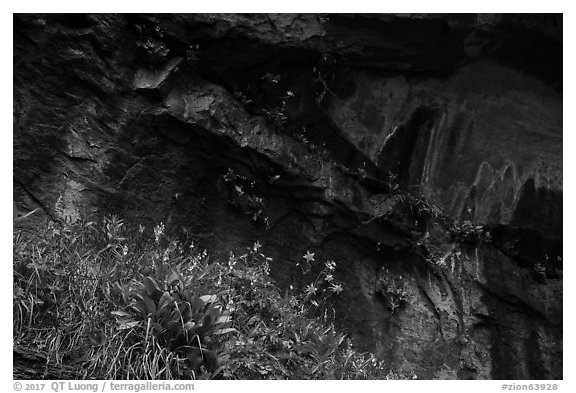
x: 324, y: 285
x: 158, y: 232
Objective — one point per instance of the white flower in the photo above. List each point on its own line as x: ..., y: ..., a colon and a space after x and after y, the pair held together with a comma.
x: 158, y: 231
x: 231, y: 261
x: 309, y: 256
x: 330, y: 265
x: 336, y: 288
x: 310, y: 290
x: 257, y: 245
x: 329, y: 278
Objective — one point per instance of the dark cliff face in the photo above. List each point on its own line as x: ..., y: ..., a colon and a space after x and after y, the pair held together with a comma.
x: 325, y: 123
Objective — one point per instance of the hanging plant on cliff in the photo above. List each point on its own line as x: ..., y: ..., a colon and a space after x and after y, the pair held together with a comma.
x: 150, y: 41
x: 244, y: 196
x: 393, y: 290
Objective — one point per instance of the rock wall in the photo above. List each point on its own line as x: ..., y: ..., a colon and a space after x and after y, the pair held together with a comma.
x: 374, y: 140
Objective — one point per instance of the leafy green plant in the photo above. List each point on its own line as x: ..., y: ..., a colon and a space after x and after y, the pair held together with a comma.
x: 181, y: 321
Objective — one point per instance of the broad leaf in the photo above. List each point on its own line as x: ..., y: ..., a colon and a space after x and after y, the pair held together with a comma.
x: 208, y: 298
x: 166, y: 298
x: 121, y: 313
x: 128, y: 325
x: 225, y: 330
x: 140, y: 308
x: 152, y: 288
x: 223, y: 319
x: 150, y: 306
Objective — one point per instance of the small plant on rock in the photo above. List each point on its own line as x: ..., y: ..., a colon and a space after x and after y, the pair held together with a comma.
x: 466, y: 231
x: 277, y: 115
x: 245, y: 197
x: 394, y: 291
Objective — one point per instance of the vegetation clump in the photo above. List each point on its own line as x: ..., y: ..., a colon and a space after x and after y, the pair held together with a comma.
x: 244, y: 196
x: 394, y: 291
x: 130, y: 303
